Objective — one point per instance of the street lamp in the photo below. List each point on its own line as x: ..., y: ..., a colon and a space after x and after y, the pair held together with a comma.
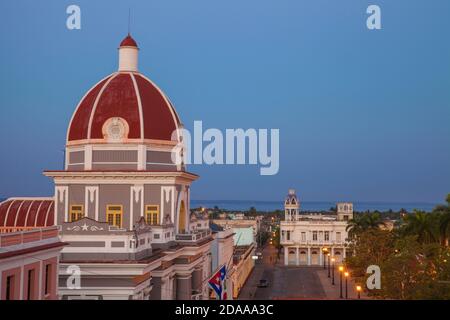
x: 325, y: 250
x: 332, y: 269
x: 346, y: 274
x: 341, y: 269
x: 328, y: 256
x: 358, y: 289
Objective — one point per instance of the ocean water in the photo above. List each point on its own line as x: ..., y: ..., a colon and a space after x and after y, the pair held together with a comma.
x: 241, y: 205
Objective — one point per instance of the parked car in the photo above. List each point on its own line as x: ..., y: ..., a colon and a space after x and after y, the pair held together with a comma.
x: 263, y: 283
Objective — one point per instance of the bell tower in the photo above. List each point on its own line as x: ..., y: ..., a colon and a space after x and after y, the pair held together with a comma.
x: 291, y: 206
x: 344, y: 211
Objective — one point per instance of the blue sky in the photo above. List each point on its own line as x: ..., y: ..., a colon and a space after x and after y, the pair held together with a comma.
x: 363, y: 115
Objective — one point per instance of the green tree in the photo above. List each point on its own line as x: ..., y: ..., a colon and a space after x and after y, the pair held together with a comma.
x: 371, y: 247
x: 364, y: 222
x: 252, y: 212
x: 443, y: 211
x: 276, y: 241
x: 422, y: 224
x: 413, y: 263
x: 415, y: 271
x: 262, y: 237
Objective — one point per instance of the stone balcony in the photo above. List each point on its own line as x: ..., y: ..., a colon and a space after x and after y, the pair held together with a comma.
x: 321, y: 243
x: 16, y: 237
x: 194, y: 236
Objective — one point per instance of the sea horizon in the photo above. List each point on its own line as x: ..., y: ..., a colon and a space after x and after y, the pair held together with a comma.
x: 268, y: 206
x: 359, y: 206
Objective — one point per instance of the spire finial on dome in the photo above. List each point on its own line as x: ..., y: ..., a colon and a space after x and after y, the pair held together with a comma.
x: 128, y: 54
x: 129, y: 20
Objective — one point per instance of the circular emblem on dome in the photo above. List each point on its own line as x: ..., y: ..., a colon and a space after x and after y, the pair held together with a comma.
x: 115, y: 129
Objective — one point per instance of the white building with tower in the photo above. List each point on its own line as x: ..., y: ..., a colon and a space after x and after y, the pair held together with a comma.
x: 307, y: 237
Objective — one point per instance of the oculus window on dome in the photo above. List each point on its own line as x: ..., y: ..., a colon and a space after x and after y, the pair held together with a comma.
x: 115, y: 130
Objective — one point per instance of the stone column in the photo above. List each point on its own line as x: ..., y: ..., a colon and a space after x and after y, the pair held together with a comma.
x: 343, y: 253
x: 197, y: 279
x: 320, y: 256
x: 309, y: 256
x: 297, y: 256
x: 172, y: 292
x: 184, y: 286
x: 155, y: 294
x: 286, y: 256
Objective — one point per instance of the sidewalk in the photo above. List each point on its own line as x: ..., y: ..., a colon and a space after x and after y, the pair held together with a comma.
x: 332, y: 292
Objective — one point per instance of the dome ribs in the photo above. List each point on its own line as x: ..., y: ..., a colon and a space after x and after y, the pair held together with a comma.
x: 78, y: 129
x: 159, y: 122
x: 118, y: 99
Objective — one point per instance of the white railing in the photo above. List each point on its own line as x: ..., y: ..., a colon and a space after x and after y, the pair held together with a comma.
x: 15, y: 229
x: 314, y: 242
x: 192, y: 237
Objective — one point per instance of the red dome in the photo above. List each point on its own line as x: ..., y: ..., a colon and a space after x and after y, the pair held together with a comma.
x: 130, y: 96
x: 128, y: 42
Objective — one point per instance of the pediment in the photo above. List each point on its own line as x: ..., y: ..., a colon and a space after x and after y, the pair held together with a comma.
x: 88, y: 226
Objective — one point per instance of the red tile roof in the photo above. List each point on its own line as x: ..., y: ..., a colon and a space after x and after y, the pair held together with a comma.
x: 30, y: 212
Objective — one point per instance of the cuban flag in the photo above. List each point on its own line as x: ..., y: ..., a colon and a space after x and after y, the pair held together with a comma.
x: 217, y: 283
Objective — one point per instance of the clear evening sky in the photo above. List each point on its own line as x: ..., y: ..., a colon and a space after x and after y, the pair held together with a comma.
x: 363, y: 115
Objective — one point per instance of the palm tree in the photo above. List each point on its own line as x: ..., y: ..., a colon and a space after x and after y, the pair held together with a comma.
x: 374, y: 221
x: 444, y: 227
x: 354, y: 226
x: 361, y: 223
x: 444, y: 221
x: 421, y: 224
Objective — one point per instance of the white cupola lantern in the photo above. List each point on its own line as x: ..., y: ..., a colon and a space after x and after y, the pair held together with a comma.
x: 128, y: 55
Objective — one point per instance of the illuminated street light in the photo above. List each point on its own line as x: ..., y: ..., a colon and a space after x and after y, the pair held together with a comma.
x: 325, y: 250
x: 358, y: 289
x: 332, y: 269
x: 328, y: 256
x: 341, y: 269
x: 346, y: 274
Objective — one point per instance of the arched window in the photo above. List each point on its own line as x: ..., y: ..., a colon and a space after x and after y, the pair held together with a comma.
x: 182, y: 218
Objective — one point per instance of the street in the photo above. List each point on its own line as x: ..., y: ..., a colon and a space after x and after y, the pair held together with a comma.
x: 284, y: 282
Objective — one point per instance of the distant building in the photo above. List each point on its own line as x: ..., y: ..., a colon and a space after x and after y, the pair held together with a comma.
x: 245, y: 230
x: 244, y: 241
x: 243, y: 264
x: 222, y: 249
x: 223, y: 215
x: 239, y: 216
x: 29, y: 262
x: 307, y: 238
x: 388, y: 225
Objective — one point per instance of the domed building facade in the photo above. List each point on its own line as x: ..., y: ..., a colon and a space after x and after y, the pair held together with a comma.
x: 121, y: 203
x: 124, y: 130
